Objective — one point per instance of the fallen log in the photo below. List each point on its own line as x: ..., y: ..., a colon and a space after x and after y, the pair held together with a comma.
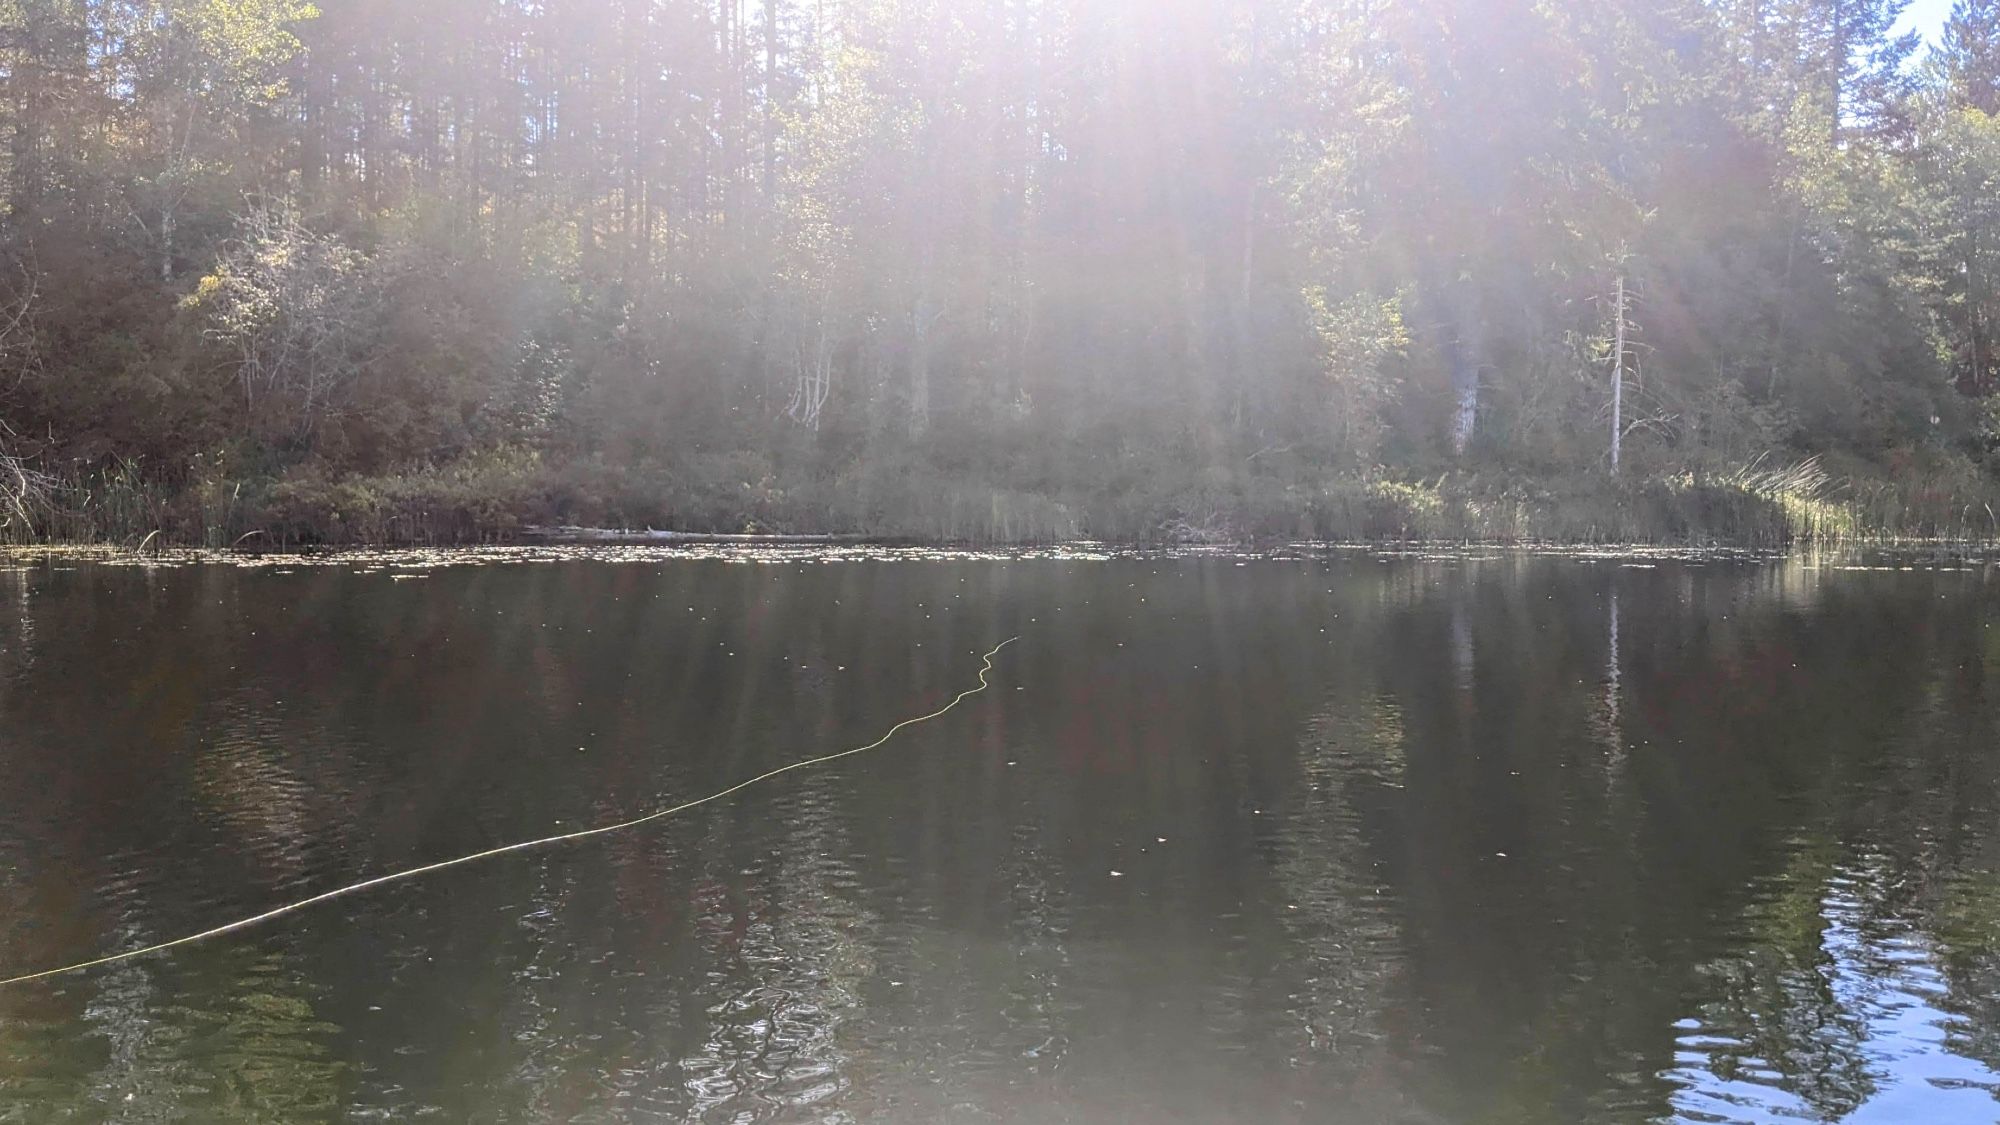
x: 649, y: 535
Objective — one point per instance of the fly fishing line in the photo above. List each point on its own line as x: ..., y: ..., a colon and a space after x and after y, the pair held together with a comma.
x: 526, y: 845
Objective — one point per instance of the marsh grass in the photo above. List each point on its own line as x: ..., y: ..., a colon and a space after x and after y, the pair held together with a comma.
x: 492, y: 497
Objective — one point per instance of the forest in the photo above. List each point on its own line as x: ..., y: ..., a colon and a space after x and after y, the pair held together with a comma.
x: 998, y: 270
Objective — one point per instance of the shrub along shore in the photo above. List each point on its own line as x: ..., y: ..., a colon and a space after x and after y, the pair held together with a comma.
x: 505, y: 498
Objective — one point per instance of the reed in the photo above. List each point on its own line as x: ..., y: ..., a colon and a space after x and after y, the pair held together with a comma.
x: 491, y: 497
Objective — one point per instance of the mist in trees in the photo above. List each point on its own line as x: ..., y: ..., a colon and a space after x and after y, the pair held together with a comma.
x: 1001, y: 268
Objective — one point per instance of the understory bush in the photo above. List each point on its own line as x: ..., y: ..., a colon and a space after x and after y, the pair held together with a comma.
x: 499, y: 494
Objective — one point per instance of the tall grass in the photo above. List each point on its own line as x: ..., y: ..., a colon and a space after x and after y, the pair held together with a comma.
x: 495, y: 495
x: 114, y: 504
x: 1803, y: 495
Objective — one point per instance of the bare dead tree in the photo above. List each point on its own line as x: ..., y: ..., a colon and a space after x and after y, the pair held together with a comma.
x: 812, y: 364
x: 299, y: 308
x: 24, y: 491
x: 814, y: 386
x: 18, y: 355
x: 1618, y: 377
x: 815, y: 379
x: 1632, y: 407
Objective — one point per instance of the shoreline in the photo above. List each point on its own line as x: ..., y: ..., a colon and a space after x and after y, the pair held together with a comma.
x: 1678, y: 510
x: 615, y: 545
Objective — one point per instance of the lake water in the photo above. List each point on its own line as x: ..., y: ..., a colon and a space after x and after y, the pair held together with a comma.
x: 1329, y: 838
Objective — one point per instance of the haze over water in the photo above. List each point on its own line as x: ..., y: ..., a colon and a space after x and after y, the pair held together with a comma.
x: 1344, y: 838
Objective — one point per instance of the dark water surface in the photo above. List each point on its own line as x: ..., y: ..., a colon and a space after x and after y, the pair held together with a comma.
x: 1341, y: 839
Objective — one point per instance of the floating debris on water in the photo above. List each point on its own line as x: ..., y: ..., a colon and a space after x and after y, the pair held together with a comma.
x: 402, y: 563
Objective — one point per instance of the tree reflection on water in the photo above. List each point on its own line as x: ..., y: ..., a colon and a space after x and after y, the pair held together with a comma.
x: 1444, y: 839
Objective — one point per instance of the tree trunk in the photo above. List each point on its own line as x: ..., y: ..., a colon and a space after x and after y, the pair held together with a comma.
x: 1837, y: 65
x: 1465, y: 398
x: 922, y: 316
x: 770, y: 100
x: 1975, y: 321
x: 1618, y: 382
x: 1463, y: 353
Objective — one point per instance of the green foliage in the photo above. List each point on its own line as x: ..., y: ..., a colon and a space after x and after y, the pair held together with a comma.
x: 996, y: 270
